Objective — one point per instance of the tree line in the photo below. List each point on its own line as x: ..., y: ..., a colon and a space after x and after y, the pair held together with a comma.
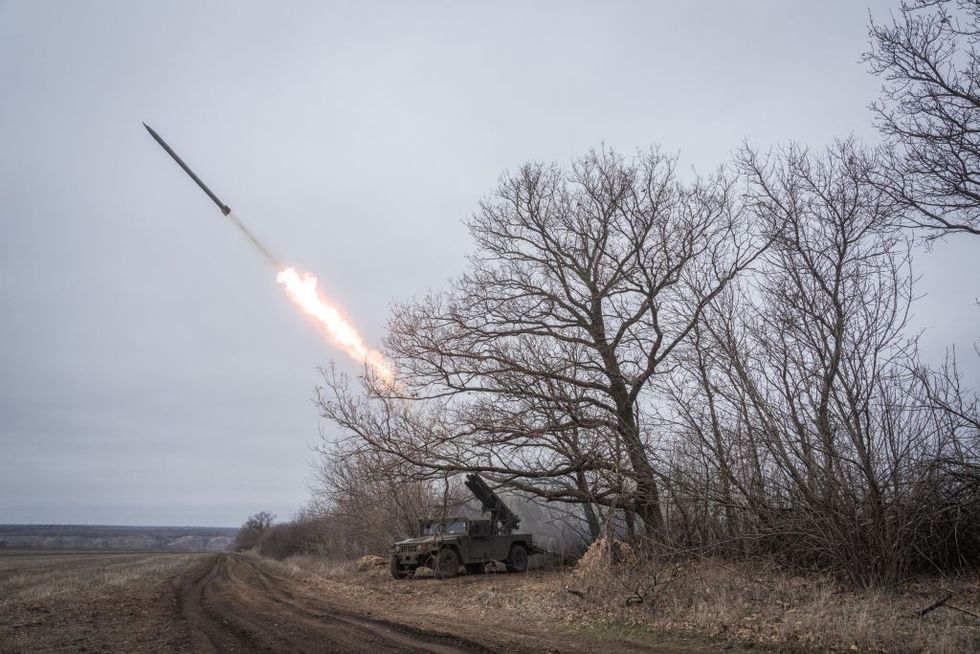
x: 719, y: 364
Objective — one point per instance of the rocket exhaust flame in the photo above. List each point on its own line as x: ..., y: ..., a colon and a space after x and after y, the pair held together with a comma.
x: 301, y: 288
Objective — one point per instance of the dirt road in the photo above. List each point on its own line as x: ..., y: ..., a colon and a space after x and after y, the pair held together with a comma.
x: 235, y: 603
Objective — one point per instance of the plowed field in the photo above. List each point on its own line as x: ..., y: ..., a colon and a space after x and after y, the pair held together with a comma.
x: 78, y: 602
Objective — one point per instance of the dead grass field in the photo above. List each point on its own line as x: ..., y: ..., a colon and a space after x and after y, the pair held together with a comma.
x: 142, y: 602
x: 756, y: 603
x: 727, y: 606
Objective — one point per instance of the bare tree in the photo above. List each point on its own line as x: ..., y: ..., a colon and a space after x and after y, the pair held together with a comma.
x: 805, y: 427
x: 732, y: 371
x: 929, y: 112
x: 366, y: 498
x: 828, y: 344
x: 536, y: 366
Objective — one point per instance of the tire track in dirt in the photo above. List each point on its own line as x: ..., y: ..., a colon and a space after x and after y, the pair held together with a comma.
x: 209, y: 631
x: 232, y: 604
x: 407, y: 636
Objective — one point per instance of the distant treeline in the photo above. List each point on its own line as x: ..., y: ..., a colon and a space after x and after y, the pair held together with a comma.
x: 108, y: 537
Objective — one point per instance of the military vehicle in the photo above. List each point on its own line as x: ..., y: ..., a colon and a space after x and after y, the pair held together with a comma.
x: 446, y: 544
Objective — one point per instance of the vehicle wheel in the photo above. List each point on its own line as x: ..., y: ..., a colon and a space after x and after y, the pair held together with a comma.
x: 446, y: 563
x: 517, y: 561
x: 476, y: 568
x: 397, y: 571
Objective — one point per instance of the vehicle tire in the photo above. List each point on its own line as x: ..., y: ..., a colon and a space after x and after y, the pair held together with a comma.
x: 517, y: 561
x: 446, y: 563
x: 397, y: 571
x: 476, y: 568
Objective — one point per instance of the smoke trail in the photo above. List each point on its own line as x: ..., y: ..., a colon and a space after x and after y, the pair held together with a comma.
x: 255, y: 241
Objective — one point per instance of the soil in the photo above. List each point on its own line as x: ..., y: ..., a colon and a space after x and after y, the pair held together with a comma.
x: 239, y: 603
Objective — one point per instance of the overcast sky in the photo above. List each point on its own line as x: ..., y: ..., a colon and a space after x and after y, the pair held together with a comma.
x: 152, y: 372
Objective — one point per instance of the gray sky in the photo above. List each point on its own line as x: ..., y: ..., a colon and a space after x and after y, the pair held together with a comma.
x: 152, y: 372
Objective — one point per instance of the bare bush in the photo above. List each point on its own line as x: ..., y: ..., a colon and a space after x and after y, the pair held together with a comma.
x: 367, y: 500
x: 249, y: 534
x: 805, y: 433
x: 302, y: 535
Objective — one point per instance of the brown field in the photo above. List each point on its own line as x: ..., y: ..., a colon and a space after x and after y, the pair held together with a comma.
x: 151, y: 602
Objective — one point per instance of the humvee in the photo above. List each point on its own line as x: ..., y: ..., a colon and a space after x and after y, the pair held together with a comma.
x: 446, y: 544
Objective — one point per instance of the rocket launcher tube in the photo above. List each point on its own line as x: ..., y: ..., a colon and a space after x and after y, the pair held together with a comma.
x: 492, y: 503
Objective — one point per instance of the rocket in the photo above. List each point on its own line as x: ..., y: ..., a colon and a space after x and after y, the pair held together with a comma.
x: 300, y: 287
x: 225, y: 209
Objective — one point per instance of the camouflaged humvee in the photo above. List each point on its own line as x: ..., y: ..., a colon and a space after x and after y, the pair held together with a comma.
x: 446, y: 544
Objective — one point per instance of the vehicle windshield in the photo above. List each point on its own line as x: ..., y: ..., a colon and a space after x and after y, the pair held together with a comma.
x: 453, y: 527
x: 456, y: 527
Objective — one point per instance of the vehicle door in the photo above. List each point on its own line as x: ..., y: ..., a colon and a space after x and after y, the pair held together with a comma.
x: 481, y: 545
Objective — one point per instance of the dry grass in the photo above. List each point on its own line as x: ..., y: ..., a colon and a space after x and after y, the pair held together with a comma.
x: 309, y: 567
x: 736, y: 603
x: 371, y: 562
x: 755, y: 602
